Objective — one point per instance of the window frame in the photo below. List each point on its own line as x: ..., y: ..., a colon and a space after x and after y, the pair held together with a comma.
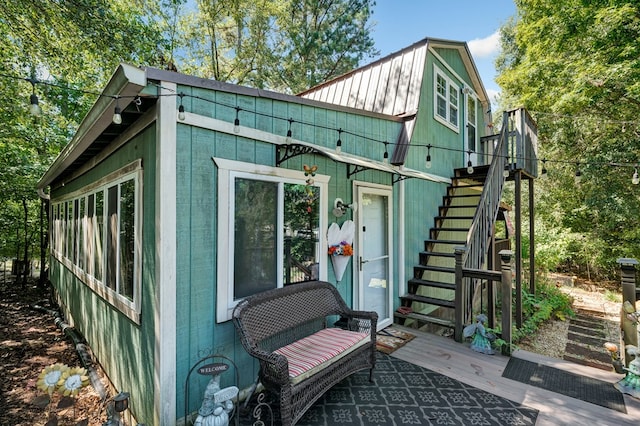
x: 86, y: 270
x: 228, y: 170
x: 472, y: 98
x: 451, y: 88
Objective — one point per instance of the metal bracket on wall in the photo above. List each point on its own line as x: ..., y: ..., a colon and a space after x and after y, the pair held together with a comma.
x: 395, y: 178
x: 285, y: 152
x: 356, y: 169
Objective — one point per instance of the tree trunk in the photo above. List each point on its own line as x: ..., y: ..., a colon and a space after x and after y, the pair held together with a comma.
x: 44, y: 243
x: 26, y: 243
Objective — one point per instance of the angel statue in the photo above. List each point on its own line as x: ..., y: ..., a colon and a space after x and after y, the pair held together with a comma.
x: 481, y: 340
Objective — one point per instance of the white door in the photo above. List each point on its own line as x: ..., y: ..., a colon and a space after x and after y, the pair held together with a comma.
x: 374, y: 256
x: 471, y: 135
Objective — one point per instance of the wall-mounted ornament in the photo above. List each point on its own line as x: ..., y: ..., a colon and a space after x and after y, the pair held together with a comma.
x: 340, y: 241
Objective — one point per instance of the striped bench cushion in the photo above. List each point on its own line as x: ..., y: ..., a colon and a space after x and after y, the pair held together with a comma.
x: 319, y: 350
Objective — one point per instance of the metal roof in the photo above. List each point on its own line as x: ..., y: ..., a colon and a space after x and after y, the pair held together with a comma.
x: 391, y: 85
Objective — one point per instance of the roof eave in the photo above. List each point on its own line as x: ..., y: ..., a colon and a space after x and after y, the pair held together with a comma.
x: 127, y: 82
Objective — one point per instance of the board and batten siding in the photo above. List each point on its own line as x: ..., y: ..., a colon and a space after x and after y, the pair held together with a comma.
x: 198, y: 334
x: 125, y: 349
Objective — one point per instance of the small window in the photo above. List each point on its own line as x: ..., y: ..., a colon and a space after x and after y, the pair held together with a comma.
x: 472, y: 125
x: 446, y: 100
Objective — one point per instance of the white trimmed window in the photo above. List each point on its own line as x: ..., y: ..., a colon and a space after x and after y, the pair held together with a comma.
x: 97, y: 232
x: 446, y: 100
x: 269, y: 230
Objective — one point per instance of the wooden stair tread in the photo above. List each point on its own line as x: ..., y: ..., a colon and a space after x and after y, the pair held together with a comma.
x: 427, y: 283
x: 436, y: 268
x: 425, y: 318
x: 428, y: 300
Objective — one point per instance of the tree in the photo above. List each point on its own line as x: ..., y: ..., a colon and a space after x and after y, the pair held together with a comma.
x: 45, y: 46
x: 280, y: 45
x: 576, y: 66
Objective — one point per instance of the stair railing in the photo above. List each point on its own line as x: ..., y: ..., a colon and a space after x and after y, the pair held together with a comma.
x: 479, y: 235
x: 514, y: 149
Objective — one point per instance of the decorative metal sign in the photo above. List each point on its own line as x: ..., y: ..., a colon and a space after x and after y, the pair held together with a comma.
x: 213, y: 369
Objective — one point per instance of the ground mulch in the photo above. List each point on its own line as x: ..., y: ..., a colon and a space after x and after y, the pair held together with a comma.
x: 29, y: 342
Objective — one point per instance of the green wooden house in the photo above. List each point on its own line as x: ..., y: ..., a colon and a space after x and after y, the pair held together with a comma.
x: 198, y: 193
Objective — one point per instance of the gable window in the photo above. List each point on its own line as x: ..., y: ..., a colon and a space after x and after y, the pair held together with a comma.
x: 446, y: 100
x: 268, y: 230
x: 96, y: 233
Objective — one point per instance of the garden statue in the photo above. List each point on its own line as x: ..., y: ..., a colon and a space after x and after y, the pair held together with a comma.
x: 481, y: 340
x: 630, y: 384
x: 216, y: 405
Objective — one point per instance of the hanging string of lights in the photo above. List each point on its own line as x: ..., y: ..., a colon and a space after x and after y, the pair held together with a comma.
x: 35, y: 109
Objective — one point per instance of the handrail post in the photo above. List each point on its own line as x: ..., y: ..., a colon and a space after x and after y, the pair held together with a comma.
x: 505, y: 258
x: 628, y: 335
x: 459, y: 292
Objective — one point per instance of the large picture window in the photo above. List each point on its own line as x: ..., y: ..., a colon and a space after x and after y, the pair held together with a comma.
x: 96, y: 233
x: 446, y: 100
x: 269, y: 230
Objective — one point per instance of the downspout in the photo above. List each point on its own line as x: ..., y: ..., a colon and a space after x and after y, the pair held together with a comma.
x: 82, y: 349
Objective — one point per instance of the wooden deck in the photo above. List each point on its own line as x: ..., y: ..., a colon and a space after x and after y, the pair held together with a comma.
x: 457, y: 361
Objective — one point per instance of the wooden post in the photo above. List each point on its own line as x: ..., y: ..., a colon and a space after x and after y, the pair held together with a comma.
x: 459, y: 295
x: 532, y: 243
x: 629, y: 334
x: 518, y: 196
x: 505, y: 258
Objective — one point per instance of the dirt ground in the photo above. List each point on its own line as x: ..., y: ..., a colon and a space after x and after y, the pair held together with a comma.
x: 29, y: 342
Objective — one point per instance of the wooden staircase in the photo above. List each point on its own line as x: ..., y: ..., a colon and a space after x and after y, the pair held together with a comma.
x: 431, y: 291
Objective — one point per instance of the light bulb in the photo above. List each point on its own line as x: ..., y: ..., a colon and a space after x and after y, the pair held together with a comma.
x: 385, y: 157
x: 289, y: 136
x: 427, y: 163
x: 578, y: 177
x: 181, y: 115
x: 505, y: 173
x: 635, y: 179
x: 339, y: 146
x: 34, y: 108
x: 117, y: 117
x: 544, y: 172
x: 236, y: 126
x: 469, y: 167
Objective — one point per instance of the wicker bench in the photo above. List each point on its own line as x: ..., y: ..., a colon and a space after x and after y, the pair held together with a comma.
x: 292, y: 331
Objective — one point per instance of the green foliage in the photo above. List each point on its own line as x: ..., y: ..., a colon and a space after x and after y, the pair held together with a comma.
x: 575, y: 66
x: 287, y: 46
x: 548, y: 303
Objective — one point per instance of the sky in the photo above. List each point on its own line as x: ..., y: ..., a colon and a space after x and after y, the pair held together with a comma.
x: 400, y: 23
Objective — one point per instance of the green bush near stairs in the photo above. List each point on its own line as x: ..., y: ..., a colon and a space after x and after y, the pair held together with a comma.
x: 548, y: 303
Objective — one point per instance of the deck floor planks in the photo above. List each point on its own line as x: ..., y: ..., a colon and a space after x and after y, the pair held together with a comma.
x: 455, y: 360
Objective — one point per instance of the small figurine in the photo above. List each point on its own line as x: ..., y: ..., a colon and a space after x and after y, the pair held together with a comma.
x: 482, y: 340
x: 216, y: 405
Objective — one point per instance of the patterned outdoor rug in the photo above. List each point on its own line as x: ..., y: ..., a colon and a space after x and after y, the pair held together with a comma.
x: 573, y: 385
x: 406, y: 394
x: 390, y: 339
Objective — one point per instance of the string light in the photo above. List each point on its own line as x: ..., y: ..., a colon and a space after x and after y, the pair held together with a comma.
x: 289, y: 139
x: 507, y: 169
x: 117, y: 113
x: 385, y: 157
x: 34, y: 107
x: 181, y: 114
x: 236, y: 122
x: 469, y: 164
x: 578, y: 175
x: 635, y: 179
x: 427, y: 162
x: 117, y: 118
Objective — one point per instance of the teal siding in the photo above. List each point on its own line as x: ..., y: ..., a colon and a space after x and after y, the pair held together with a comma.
x: 198, y: 334
x: 125, y: 349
